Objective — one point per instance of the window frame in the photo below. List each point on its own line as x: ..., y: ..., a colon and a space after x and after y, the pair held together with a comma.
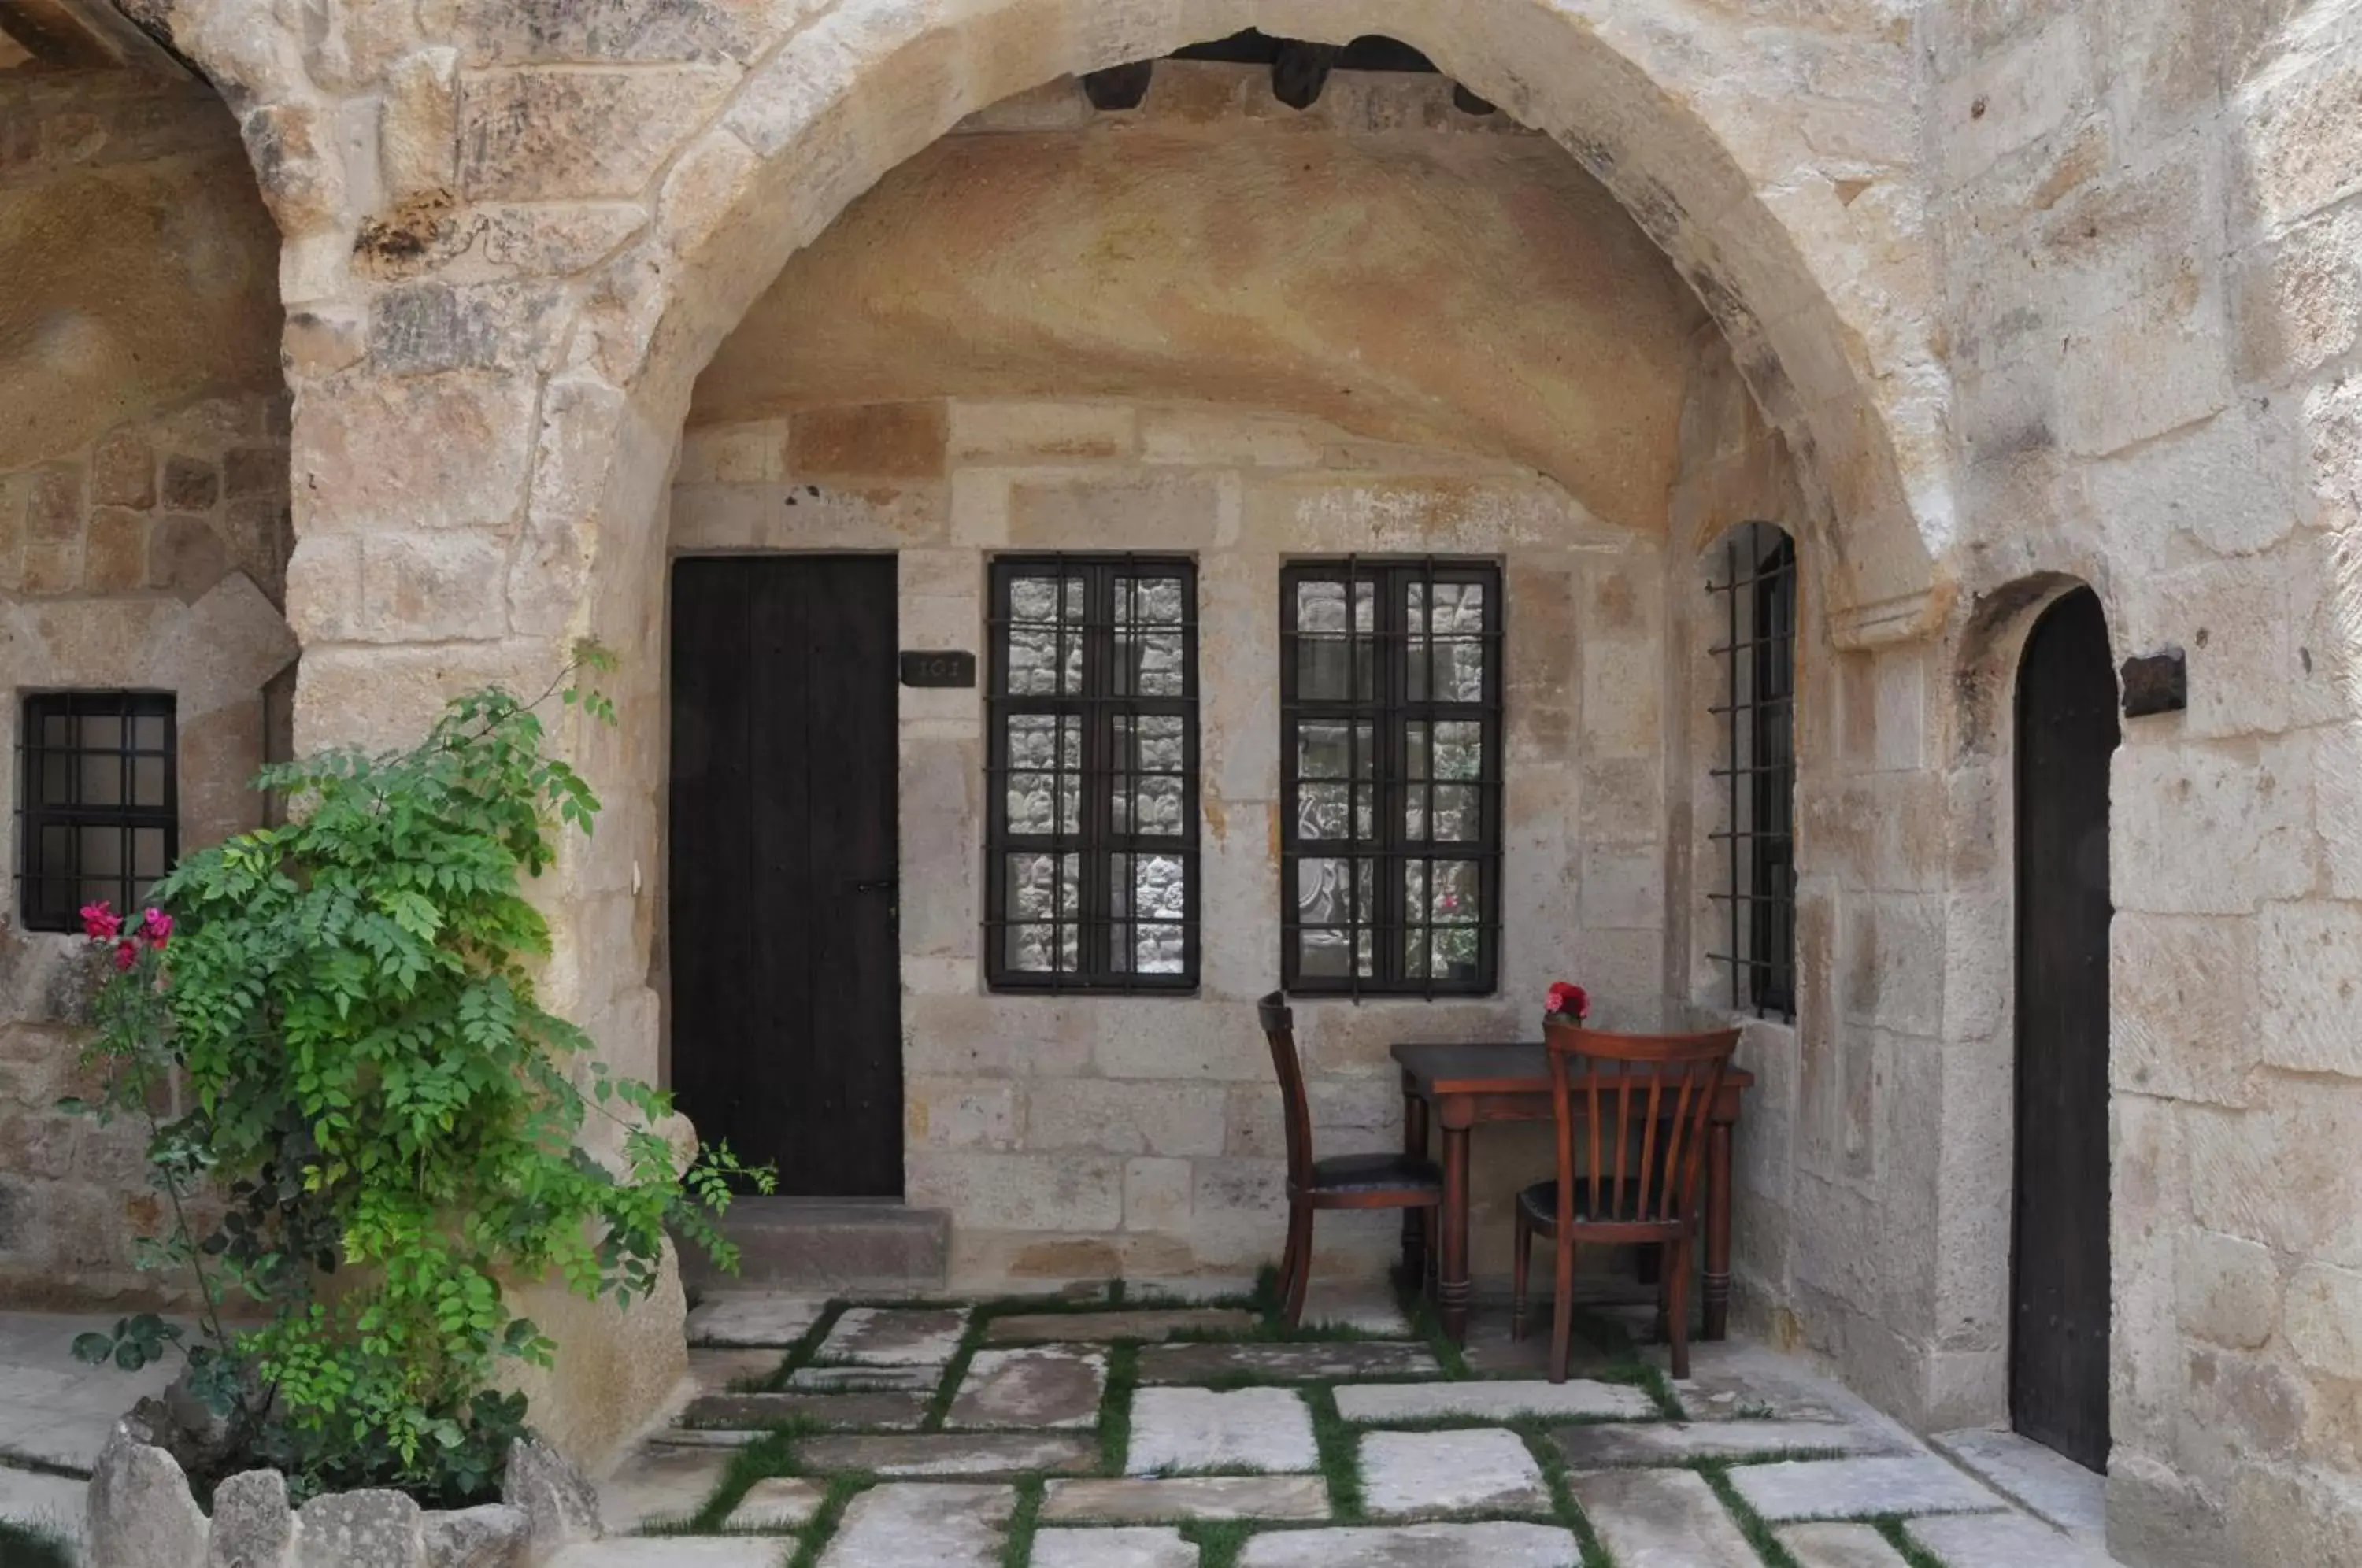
x: 36, y: 813
x: 1096, y: 841
x: 1391, y: 712
x: 1757, y: 766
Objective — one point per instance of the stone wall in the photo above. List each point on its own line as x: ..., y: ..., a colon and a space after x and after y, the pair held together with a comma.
x: 144, y: 536
x: 1080, y: 1137
x: 2150, y: 230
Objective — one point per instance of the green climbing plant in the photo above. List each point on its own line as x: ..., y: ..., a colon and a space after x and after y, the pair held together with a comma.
x: 379, y: 1126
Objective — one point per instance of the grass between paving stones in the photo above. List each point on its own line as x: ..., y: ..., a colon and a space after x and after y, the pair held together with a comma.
x: 1115, y: 1405
x: 1750, y: 1523
x: 1891, y: 1527
x: 801, y: 1353
x: 27, y: 1546
x: 841, y: 1490
x: 1339, y: 1443
x: 1556, y: 1470
x: 1017, y: 1546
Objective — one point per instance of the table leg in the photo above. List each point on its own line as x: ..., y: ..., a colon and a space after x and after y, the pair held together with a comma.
x: 1414, y: 1222
x: 1717, y: 1231
x: 1451, y: 1290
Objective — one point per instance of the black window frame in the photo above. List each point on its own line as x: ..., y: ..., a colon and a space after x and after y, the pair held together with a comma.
x: 36, y: 813
x: 1391, y: 711
x: 1095, y: 839
x: 1758, y: 768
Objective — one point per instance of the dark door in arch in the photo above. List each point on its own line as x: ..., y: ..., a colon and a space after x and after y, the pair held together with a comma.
x: 2058, y: 1274
x: 786, y: 983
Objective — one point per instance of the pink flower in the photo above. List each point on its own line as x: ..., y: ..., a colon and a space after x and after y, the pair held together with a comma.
x: 156, y: 926
x: 126, y: 952
x: 1567, y: 999
x: 99, y: 923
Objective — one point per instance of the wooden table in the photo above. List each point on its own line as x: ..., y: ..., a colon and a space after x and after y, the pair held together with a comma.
x: 1460, y: 1085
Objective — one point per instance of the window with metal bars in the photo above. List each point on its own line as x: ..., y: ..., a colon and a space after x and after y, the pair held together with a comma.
x: 1091, y: 869
x: 1755, y: 590
x: 98, y: 802
x: 1390, y: 777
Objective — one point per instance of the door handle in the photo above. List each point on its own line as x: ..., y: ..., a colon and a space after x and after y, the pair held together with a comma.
x: 873, y: 885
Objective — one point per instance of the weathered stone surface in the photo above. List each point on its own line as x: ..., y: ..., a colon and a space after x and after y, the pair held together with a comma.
x: 1314, y: 1361
x: 883, y: 1408
x: 140, y: 1510
x: 900, y: 1526
x: 1407, y: 1475
x: 672, y: 1551
x: 1287, y: 1497
x: 252, y: 1525
x: 1041, y: 1328
x: 1496, y: 1400
x: 866, y: 1379
x: 536, y: 135
x: 1198, y: 1429
x: 763, y: 1320
x: 1841, y: 1488
x: 123, y: 471
x: 1135, y: 1548
x: 1493, y: 1545
x: 776, y: 1502
x: 492, y: 1536
x: 2057, y: 1490
x: 660, y: 1485
x: 559, y: 1504
x: 895, y: 1336
x: 1676, y: 1443
x: 951, y: 1454
x: 1661, y: 1519
x: 1030, y: 1389
x: 359, y: 1529
x: 1840, y: 1546
x: 721, y: 1371
x: 2002, y: 1541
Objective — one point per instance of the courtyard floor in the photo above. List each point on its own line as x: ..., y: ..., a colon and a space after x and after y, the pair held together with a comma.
x: 1110, y: 1430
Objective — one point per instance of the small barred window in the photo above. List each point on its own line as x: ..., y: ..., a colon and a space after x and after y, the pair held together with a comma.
x: 1753, y: 586
x: 98, y: 802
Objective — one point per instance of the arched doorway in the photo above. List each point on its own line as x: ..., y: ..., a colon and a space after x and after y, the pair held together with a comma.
x: 2067, y: 731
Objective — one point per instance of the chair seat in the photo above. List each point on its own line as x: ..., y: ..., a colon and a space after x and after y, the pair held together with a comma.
x: 1539, y: 1204
x: 1364, y: 1174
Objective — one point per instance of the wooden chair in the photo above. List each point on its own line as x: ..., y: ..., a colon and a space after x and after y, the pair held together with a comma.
x: 1341, y: 1181
x: 1653, y: 1091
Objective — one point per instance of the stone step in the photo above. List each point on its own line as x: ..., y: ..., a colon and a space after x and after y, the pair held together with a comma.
x: 1661, y: 1519
x: 1857, y: 1488
x: 809, y: 1244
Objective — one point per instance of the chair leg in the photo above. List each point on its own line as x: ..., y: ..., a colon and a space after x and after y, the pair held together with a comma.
x: 1677, y: 1305
x: 1562, y: 1309
x: 1519, y: 1266
x: 1298, y: 1271
x: 1433, y: 1220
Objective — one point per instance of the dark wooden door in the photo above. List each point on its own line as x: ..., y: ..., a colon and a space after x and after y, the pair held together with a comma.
x: 785, y: 986
x: 2059, y: 1276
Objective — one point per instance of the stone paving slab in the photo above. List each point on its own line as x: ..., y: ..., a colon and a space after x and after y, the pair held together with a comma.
x: 1609, y: 1443
x: 706, y: 1437
x: 1490, y: 1351
x: 1200, y: 1429
x: 2002, y: 1540
x: 50, y: 1502
x: 952, y: 1453
x: 1412, y: 1474
x: 660, y: 1484
x: 1369, y: 1305
x: 866, y: 1379
x: 878, y: 1409
x: 895, y: 1336
x: 675, y: 1551
x: 1661, y: 1519
x: 1136, y: 1548
x: 776, y: 1502
x: 1493, y: 1401
x: 1284, y: 1497
x: 1493, y: 1545
x: 1845, y: 1546
x: 739, y: 1322
x: 1045, y: 1386
x: 1312, y: 1361
x: 719, y: 1371
x: 1855, y: 1489
x: 2047, y: 1484
x: 1152, y: 1326
x: 917, y: 1526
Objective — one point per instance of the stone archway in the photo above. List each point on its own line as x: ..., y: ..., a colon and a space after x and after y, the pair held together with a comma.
x: 511, y: 247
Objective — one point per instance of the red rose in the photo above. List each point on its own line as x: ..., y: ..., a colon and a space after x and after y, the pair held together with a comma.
x: 1567, y: 999
x: 126, y: 952
x: 156, y: 926
x: 99, y: 923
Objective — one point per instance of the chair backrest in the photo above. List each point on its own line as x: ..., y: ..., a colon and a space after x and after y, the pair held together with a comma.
x: 1279, y: 1033
x: 1657, y: 1089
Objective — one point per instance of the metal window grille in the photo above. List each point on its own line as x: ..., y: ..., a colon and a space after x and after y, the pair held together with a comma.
x: 1757, y: 590
x: 1091, y: 863
x: 1390, y: 776
x: 98, y: 802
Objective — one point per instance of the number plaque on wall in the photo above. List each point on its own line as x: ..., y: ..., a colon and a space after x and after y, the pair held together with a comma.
x: 938, y: 666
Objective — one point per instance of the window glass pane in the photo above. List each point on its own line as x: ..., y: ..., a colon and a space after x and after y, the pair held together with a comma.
x: 1321, y: 812
x: 1044, y: 911
x: 101, y: 851
x: 57, y: 778
x: 101, y: 778
x: 147, y: 780
x: 1045, y: 636
x: 57, y: 730
x: 1334, y: 662
x: 1150, y: 647
x: 1150, y: 898
x: 1447, y: 652
x: 148, y: 858
x: 1045, y: 780
x: 101, y: 731
x: 1335, y: 751
x: 148, y: 732
x: 1334, y: 902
